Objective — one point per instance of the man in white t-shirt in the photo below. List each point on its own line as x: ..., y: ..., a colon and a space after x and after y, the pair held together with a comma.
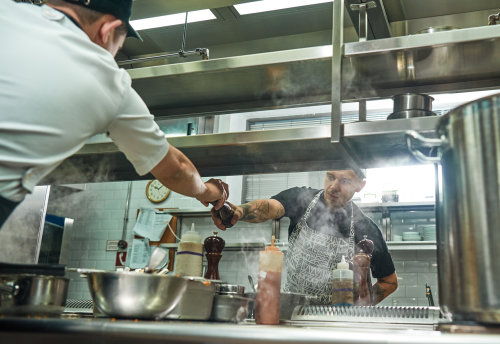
x: 60, y: 85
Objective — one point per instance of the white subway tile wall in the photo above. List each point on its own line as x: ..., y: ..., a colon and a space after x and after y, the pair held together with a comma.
x: 99, y: 215
x: 414, y: 269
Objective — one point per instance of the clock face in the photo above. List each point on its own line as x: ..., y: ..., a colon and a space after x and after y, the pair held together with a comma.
x: 156, y: 191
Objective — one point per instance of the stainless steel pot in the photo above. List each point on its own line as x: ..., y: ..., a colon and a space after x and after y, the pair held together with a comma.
x: 135, y: 296
x: 230, y: 308
x: 230, y: 289
x: 468, y: 203
x: 196, y: 303
x: 410, y: 105
x: 33, y: 295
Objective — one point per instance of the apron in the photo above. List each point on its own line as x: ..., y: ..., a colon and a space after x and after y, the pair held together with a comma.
x: 312, y: 256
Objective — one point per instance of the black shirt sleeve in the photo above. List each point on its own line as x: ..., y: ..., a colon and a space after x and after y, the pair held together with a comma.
x: 295, y: 201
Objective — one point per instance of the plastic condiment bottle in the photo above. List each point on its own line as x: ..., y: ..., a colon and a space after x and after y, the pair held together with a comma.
x: 189, y: 259
x: 343, y: 285
x: 267, y: 307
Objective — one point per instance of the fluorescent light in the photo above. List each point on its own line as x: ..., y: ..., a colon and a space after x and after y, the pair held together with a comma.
x: 273, y: 5
x: 172, y: 19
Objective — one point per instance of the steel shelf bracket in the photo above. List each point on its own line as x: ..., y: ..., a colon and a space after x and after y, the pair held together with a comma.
x: 337, y: 56
x: 363, y: 18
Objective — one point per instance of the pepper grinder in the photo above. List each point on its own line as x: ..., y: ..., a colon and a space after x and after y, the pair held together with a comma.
x: 214, y: 246
x: 225, y: 214
x: 362, y: 278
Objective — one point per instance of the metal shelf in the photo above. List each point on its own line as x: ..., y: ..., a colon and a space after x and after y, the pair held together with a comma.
x: 375, y: 144
x: 231, y: 246
x: 376, y: 206
x: 411, y: 245
x: 372, y: 69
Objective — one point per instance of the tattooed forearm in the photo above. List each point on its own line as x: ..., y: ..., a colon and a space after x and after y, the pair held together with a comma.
x: 256, y: 211
x: 378, y: 293
x: 383, y: 288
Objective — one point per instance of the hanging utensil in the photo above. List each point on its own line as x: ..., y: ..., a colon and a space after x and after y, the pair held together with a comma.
x: 156, y: 258
x: 250, y: 279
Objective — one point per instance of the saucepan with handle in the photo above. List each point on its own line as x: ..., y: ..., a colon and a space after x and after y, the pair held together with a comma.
x: 28, y: 289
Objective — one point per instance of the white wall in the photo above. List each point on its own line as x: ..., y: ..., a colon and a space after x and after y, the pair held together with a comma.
x: 99, y: 213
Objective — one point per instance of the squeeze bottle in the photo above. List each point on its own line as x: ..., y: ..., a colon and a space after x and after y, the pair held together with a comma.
x: 189, y: 258
x: 343, y: 285
x: 267, y: 306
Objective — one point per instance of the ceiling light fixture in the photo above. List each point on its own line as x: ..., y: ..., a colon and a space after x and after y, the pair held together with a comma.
x: 172, y: 19
x: 274, y: 5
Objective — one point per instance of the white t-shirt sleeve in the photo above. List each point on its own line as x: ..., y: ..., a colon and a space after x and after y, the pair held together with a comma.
x: 136, y: 133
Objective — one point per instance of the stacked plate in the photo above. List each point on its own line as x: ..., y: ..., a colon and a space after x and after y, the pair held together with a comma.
x: 429, y: 233
x: 411, y: 236
x: 397, y: 237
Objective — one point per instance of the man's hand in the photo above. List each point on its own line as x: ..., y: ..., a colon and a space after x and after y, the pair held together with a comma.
x: 217, y: 191
x: 238, y: 213
x: 257, y: 211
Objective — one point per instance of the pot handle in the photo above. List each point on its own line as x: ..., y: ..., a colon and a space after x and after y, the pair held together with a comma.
x: 51, y: 270
x: 9, y: 290
x: 412, y: 134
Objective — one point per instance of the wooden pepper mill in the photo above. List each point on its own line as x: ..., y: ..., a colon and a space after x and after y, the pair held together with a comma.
x: 362, y: 279
x: 214, y: 246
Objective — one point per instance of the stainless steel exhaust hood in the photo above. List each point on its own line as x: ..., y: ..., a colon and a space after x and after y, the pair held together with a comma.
x: 374, y: 144
x: 430, y: 63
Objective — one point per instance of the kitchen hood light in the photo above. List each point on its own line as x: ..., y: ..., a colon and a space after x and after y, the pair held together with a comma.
x: 273, y: 5
x: 172, y: 19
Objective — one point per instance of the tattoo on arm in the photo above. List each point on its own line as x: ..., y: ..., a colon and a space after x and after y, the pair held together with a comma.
x: 256, y: 211
x: 280, y: 212
x: 381, y: 280
x: 379, y: 292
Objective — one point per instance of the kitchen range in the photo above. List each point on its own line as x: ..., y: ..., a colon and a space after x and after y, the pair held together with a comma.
x: 161, y: 279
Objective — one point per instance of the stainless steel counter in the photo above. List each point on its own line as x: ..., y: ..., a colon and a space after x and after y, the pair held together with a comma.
x: 94, y: 331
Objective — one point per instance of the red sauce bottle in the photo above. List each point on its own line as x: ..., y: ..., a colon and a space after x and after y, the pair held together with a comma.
x: 267, y: 306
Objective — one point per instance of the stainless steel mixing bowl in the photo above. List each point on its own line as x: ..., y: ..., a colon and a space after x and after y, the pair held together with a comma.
x: 135, y: 296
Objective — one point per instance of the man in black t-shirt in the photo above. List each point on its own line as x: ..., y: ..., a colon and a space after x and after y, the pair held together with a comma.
x: 324, y: 226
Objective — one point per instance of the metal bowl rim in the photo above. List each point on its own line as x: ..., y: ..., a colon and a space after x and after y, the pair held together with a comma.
x: 233, y: 297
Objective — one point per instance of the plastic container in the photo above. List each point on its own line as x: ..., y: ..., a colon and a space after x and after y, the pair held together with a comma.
x: 343, y: 285
x: 189, y: 258
x: 267, y: 307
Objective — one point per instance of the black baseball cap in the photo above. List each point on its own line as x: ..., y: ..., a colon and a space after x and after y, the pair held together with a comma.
x: 121, y: 9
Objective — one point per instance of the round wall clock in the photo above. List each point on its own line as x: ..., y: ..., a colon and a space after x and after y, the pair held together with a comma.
x: 156, y: 191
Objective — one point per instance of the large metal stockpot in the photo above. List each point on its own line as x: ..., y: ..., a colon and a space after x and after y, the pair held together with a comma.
x: 468, y: 209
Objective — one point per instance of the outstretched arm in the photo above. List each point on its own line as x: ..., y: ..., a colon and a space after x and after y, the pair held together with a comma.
x: 178, y: 173
x: 257, y: 211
